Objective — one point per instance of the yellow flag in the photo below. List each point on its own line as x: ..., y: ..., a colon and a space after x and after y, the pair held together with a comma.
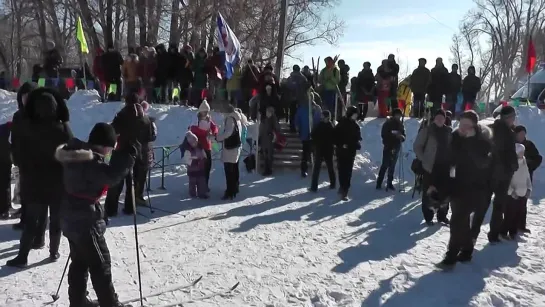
x: 81, y: 37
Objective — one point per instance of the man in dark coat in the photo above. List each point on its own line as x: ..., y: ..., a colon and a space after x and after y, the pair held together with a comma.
x: 161, y: 72
x: 470, y: 175
x: 345, y: 77
x: 323, y: 139
x: 347, y: 141
x: 365, y: 90
x: 470, y: 88
x: 454, y: 87
x: 17, y: 125
x: 393, y: 134
x: 533, y: 160
x: 439, y: 84
x: 420, y: 80
x: 86, y: 178
x: 45, y: 128
x: 394, y: 70
x: 504, y: 165
x: 297, y: 85
x: 111, y: 63
x: 132, y: 125
x: 52, y: 60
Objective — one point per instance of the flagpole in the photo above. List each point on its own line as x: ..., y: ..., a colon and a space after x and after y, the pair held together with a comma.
x: 281, y: 37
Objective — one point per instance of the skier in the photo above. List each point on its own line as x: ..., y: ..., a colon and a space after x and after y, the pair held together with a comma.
x: 439, y: 84
x: 470, y: 88
x: 454, y: 87
x: 347, y: 140
x: 504, y: 165
x: 44, y: 129
x: 305, y: 120
x: 420, y: 80
x: 86, y: 179
x: 323, y: 138
x: 432, y: 148
x: 470, y: 176
x: 132, y: 124
x: 17, y: 124
x: 533, y: 160
x: 393, y: 134
x: 329, y: 78
x: 112, y: 62
x: 365, y: 90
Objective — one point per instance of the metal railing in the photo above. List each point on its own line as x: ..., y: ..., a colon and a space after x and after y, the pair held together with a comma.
x: 165, y: 153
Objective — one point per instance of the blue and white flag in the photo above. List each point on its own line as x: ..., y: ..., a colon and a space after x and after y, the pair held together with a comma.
x: 228, y: 44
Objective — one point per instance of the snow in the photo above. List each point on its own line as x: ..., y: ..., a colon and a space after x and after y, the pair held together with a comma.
x: 289, y: 247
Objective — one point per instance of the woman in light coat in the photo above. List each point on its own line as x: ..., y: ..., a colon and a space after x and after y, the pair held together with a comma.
x: 232, y: 147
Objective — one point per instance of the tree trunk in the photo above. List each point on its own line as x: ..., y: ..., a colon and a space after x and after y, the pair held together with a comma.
x: 108, y: 32
x: 131, y: 24
x: 142, y: 21
x: 117, y: 31
x: 174, y: 22
x: 88, y: 21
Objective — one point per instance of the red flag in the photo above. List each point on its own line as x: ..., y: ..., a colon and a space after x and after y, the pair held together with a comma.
x: 531, y: 57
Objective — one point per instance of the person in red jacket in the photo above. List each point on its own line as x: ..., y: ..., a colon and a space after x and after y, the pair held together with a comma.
x: 204, y: 130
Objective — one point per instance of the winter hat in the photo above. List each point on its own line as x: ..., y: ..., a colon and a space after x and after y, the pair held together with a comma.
x: 26, y: 88
x: 471, y: 115
x: 507, y: 111
x: 191, y: 137
x: 204, y: 107
x: 103, y: 134
x: 520, y: 128
x: 351, y: 110
x: 440, y: 112
x: 326, y: 114
x: 397, y: 111
x: 519, y: 148
x: 45, y: 107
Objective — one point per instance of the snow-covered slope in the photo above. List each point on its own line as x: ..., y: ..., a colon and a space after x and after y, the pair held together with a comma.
x: 289, y: 247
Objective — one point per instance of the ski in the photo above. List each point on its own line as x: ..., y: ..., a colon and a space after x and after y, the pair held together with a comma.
x: 172, y: 289
x: 205, y: 297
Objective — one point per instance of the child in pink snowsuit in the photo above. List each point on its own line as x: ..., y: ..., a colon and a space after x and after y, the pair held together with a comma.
x: 195, y: 158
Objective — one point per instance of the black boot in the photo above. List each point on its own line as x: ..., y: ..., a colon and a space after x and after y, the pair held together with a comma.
x: 55, y: 242
x: 448, y: 262
x: 38, y: 243
x: 465, y: 256
x: 227, y: 196
x: 390, y: 187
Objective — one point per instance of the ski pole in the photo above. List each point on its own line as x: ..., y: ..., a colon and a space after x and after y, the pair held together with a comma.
x: 56, y: 296
x: 131, y: 178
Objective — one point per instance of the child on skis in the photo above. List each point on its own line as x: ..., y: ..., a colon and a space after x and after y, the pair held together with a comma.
x: 533, y: 160
x: 518, y: 192
x: 268, y: 131
x: 195, y: 158
x: 86, y: 179
x: 305, y: 119
x: 323, y: 138
x: 393, y: 134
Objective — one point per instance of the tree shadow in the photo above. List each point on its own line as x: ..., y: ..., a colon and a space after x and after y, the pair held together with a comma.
x: 435, y: 288
x: 380, y: 225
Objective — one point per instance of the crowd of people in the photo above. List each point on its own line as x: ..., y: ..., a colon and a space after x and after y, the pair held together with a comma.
x: 459, y: 169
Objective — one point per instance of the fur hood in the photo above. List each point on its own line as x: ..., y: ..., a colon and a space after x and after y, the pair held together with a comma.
x: 74, y: 152
x: 483, y: 130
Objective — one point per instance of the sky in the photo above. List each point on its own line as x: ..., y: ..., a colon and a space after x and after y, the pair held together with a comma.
x: 408, y: 29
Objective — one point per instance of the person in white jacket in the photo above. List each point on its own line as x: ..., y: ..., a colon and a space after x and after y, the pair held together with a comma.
x: 231, y: 137
x: 519, y: 190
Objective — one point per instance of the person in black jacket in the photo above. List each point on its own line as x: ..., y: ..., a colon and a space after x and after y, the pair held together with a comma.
x: 533, y: 160
x: 131, y: 124
x: 345, y: 77
x: 504, y: 165
x: 470, y: 88
x: 439, y: 84
x: 173, y: 69
x: 86, y: 178
x: 161, y: 72
x: 5, y: 171
x: 420, y: 80
x: 347, y: 140
x: 365, y: 90
x: 323, y: 138
x: 17, y: 124
x: 45, y: 128
x: 52, y: 60
x: 454, y: 87
x: 393, y: 134
x: 112, y: 62
x: 471, y: 147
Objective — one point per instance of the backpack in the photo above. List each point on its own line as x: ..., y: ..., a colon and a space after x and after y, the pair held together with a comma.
x: 416, y: 165
x: 233, y: 141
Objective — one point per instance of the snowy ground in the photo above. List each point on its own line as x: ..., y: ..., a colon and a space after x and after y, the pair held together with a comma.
x: 289, y: 247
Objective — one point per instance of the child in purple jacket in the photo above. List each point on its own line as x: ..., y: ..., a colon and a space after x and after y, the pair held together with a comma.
x: 195, y: 158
